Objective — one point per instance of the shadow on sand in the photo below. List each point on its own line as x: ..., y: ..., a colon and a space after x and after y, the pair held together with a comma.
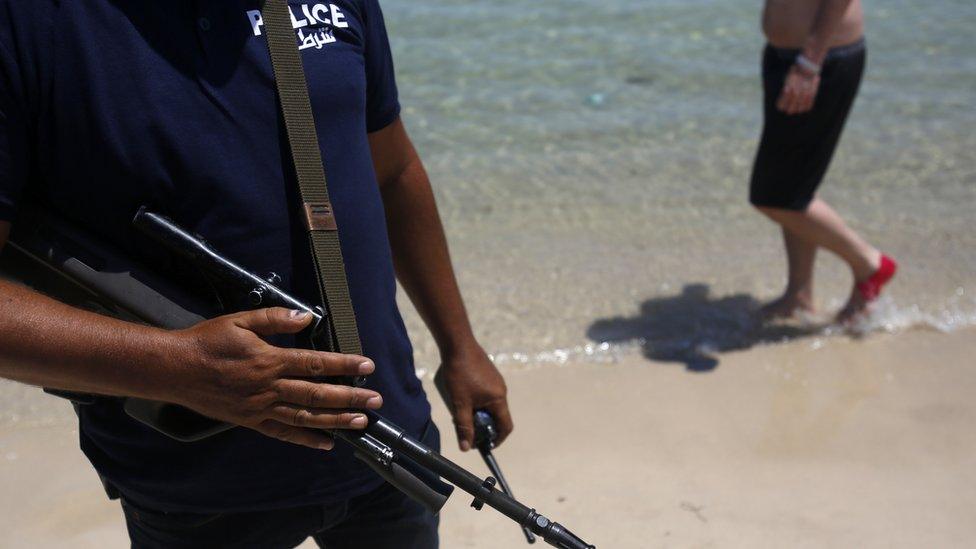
x: 693, y: 327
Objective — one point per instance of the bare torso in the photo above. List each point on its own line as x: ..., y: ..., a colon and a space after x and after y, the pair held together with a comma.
x: 787, y: 23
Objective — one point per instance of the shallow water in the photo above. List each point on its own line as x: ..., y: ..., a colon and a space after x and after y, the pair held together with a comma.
x: 591, y: 161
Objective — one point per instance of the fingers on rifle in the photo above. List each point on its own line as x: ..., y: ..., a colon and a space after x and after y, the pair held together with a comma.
x: 298, y: 416
x: 464, y: 425
x: 296, y: 435
x: 503, y: 419
x: 274, y: 320
x: 303, y: 363
x: 308, y: 394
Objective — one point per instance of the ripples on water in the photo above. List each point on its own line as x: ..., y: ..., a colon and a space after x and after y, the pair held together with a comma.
x: 590, y: 157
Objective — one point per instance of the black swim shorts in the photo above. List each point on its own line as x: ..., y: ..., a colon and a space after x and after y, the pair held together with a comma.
x: 795, y: 150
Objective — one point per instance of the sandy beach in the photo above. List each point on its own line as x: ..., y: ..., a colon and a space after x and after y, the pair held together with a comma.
x: 863, y: 443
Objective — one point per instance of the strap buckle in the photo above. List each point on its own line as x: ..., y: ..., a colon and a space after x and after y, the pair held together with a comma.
x: 319, y: 216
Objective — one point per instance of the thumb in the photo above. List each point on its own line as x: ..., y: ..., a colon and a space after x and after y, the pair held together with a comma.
x: 464, y: 425
x: 276, y: 320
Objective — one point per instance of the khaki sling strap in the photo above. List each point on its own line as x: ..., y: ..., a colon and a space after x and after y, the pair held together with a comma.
x: 303, y: 142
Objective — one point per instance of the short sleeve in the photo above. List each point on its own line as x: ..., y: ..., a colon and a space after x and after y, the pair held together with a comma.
x: 382, y: 103
x: 13, y: 137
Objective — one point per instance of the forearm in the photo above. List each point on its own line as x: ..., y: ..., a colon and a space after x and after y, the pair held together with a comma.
x: 825, y: 27
x: 467, y: 379
x: 422, y: 260
x: 47, y: 343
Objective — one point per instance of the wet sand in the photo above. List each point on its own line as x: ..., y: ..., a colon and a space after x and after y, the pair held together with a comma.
x: 861, y: 443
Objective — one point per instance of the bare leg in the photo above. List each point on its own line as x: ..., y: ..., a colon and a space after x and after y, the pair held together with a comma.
x: 822, y: 226
x: 800, y: 255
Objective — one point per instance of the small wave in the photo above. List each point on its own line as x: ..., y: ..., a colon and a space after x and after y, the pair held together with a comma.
x: 958, y: 312
x: 697, y: 341
x: 596, y: 353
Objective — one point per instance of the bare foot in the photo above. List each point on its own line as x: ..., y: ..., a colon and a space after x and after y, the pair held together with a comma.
x: 787, y: 306
x: 856, y: 306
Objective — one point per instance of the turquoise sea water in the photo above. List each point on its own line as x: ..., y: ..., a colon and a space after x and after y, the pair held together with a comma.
x: 591, y: 160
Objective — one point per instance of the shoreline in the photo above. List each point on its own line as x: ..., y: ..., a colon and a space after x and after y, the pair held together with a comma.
x: 857, y: 443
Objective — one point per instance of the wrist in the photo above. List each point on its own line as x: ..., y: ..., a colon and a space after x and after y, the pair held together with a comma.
x: 815, y: 51
x: 457, y: 350
x: 172, y: 359
x: 806, y: 67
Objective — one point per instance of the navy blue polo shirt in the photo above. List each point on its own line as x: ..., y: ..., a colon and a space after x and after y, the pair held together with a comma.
x: 106, y: 105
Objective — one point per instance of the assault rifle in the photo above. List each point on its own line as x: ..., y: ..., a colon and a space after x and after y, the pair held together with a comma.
x: 45, y: 247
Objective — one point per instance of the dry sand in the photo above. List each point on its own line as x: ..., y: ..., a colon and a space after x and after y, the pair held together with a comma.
x: 854, y: 444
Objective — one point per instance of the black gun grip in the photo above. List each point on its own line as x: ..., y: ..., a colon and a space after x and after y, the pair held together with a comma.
x: 485, y: 432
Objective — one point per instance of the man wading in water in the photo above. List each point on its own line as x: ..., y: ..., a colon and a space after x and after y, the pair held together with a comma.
x: 106, y: 106
x: 811, y: 71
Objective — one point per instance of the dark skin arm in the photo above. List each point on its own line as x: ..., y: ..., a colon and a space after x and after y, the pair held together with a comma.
x: 467, y: 379
x: 801, y: 86
x: 221, y: 368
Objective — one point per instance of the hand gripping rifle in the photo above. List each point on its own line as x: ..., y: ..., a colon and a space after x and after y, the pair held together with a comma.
x: 103, y: 275
x: 485, y: 436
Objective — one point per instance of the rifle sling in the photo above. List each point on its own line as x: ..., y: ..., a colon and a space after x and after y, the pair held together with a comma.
x: 303, y: 142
